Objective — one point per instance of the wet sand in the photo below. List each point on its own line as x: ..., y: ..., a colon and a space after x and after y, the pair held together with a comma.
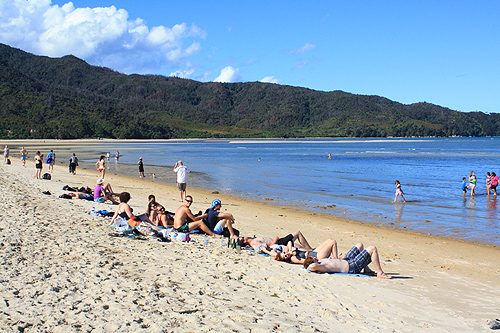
x: 62, y: 271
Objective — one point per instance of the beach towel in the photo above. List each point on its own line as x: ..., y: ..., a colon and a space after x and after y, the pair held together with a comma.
x: 308, y: 271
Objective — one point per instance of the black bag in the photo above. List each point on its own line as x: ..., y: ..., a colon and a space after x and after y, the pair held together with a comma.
x: 8, y: 161
x: 47, y: 176
x: 65, y: 196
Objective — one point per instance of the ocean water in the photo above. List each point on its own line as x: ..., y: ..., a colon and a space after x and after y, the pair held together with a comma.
x: 356, y: 183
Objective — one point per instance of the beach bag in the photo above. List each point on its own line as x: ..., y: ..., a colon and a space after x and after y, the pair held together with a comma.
x: 122, y: 226
x: 48, y: 160
x: 8, y: 161
x: 47, y: 176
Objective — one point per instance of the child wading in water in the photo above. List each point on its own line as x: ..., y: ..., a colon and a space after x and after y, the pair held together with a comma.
x: 399, y: 191
x: 464, y: 186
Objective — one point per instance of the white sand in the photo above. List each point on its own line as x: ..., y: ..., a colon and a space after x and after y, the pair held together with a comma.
x: 63, y: 272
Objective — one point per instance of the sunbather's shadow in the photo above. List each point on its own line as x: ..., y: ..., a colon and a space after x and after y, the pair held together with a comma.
x: 398, y: 276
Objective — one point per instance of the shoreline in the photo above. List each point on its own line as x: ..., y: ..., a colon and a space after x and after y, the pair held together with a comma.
x: 264, y: 201
x: 63, y: 269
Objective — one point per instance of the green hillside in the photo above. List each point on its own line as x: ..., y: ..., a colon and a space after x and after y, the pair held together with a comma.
x: 65, y: 98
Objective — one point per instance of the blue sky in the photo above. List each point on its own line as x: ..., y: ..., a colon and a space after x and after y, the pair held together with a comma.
x: 441, y: 52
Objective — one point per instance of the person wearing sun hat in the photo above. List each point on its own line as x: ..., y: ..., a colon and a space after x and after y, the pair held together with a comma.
x: 101, y: 194
x: 217, y: 221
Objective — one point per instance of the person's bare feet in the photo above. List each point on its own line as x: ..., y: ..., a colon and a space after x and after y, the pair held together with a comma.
x: 382, y: 275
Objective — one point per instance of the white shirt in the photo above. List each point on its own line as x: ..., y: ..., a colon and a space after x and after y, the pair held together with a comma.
x: 181, y: 174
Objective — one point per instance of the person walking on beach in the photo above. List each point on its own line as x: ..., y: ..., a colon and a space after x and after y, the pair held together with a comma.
x: 117, y: 156
x: 51, y: 160
x: 182, y: 172
x: 464, y: 187
x: 494, y: 183
x: 101, y: 166
x: 472, y: 183
x: 24, y: 155
x: 73, y: 163
x: 141, y: 168
x: 399, y: 191
x: 6, y: 152
x: 38, y: 164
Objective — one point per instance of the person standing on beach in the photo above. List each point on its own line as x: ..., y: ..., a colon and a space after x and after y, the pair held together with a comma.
x: 117, y: 155
x: 24, y: 155
x: 472, y: 183
x: 182, y: 172
x: 101, y: 166
x: 108, y: 155
x: 6, y: 152
x: 73, y: 163
x: 38, y: 164
x: 399, y: 191
x: 141, y: 168
x: 51, y: 160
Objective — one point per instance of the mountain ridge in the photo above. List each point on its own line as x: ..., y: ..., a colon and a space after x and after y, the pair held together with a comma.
x: 66, y: 98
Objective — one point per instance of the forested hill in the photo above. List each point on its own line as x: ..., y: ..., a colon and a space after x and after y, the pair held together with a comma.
x: 64, y: 98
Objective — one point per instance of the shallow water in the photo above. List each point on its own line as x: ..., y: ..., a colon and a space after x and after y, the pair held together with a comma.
x: 357, y: 183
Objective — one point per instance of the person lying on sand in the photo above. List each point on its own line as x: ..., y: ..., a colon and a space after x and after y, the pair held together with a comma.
x: 82, y: 195
x: 259, y: 243
x: 328, y: 249
x: 355, y: 261
x: 182, y: 214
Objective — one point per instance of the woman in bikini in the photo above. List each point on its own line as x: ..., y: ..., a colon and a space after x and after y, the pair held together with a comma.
x: 101, y: 166
x: 297, y: 256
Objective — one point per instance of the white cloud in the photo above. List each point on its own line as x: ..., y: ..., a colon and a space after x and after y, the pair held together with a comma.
x: 228, y: 74
x: 303, y: 49
x: 270, y: 79
x: 185, y: 74
x: 102, y: 36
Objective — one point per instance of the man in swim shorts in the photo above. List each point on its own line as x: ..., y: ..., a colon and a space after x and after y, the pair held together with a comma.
x: 182, y: 214
x: 355, y: 261
x: 24, y: 154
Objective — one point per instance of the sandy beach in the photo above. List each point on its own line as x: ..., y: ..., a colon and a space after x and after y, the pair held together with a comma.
x: 62, y: 271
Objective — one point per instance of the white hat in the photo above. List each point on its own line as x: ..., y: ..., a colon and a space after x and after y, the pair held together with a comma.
x: 100, y: 181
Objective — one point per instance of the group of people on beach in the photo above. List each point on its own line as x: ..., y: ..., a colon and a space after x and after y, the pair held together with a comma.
x: 491, y: 183
x: 156, y: 220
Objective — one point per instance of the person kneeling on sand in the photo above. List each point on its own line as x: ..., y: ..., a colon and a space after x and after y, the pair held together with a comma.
x: 182, y: 214
x: 355, y: 261
x: 217, y: 221
x: 260, y: 243
x: 106, y: 191
x: 328, y: 249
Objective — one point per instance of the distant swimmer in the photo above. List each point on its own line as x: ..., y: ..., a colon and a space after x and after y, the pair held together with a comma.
x: 399, y: 191
x: 117, y: 155
x: 259, y: 159
x: 329, y: 156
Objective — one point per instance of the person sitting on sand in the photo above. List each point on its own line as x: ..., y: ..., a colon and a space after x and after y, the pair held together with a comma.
x: 259, y: 243
x: 355, y: 261
x: 217, y: 221
x: 140, y: 223
x: 182, y: 214
x: 328, y: 249
x: 101, y: 194
x: 162, y: 218
x: 150, y: 212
